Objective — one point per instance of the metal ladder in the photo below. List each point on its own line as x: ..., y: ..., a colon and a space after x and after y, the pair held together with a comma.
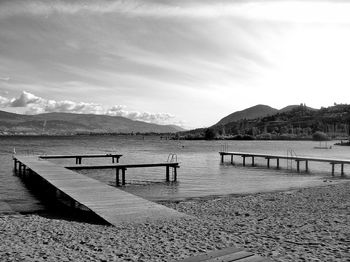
x: 224, y: 148
x: 290, y: 153
x: 172, y: 158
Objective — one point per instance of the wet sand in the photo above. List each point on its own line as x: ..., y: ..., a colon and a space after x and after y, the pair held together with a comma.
x: 300, y: 225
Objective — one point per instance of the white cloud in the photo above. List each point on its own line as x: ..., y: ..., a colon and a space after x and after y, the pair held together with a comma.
x: 4, y: 102
x: 2, y: 78
x: 38, y: 105
x: 26, y: 99
x: 158, y: 118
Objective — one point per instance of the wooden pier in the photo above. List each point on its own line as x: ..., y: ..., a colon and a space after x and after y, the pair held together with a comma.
x: 297, y: 159
x: 124, y: 167
x: 111, y: 204
x: 79, y: 157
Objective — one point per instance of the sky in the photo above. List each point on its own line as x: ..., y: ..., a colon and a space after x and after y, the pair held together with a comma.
x: 183, y: 62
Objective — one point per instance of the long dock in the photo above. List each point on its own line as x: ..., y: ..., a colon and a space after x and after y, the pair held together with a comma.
x: 124, y: 167
x: 79, y: 157
x: 109, y: 203
x: 297, y: 159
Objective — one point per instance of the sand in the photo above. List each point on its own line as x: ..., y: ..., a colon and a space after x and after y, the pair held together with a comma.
x: 301, y: 225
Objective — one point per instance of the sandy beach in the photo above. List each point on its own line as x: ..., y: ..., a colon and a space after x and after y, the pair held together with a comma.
x: 300, y: 225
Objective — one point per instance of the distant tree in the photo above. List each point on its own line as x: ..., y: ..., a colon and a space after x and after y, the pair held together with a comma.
x: 209, y: 134
x: 320, y: 136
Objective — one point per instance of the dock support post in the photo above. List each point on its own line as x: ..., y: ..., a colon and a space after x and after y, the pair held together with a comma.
x: 268, y: 162
x: 298, y: 166
x: 253, y: 162
x: 332, y: 169
x: 307, y: 166
x: 58, y: 194
x: 123, y: 176
x: 222, y: 158
x: 243, y: 160
x: 15, y: 165
x: 167, y: 176
x: 23, y: 170
x: 117, y: 176
x: 112, y: 159
x: 278, y: 163
x: 175, y: 174
x: 342, y: 169
x: 232, y: 159
x: 28, y: 173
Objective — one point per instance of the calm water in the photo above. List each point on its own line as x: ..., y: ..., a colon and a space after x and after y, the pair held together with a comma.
x: 201, y: 173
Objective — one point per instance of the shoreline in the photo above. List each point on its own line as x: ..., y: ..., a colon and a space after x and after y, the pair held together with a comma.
x: 333, y: 180
x: 170, y: 136
x: 306, y: 224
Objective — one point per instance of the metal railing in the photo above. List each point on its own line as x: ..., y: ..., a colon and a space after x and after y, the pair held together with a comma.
x: 290, y: 153
x: 224, y: 148
x: 172, y: 158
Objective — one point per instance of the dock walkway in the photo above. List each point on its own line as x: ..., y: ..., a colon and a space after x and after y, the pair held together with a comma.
x: 297, y: 159
x: 111, y: 204
x: 79, y: 157
x: 124, y: 167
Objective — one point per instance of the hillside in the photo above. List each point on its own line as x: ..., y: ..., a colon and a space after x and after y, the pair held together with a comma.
x: 291, y: 122
x: 66, y: 123
x: 300, y: 121
x: 292, y: 107
x: 249, y: 113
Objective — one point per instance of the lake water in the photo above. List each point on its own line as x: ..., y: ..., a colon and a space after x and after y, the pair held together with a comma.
x: 200, y: 174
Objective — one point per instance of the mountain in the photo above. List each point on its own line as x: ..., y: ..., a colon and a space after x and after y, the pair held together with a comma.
x: 291, y: 122
x: 292, y: 107
x: 249, y: 113
x: 67, y: 123
x: 178, y: 128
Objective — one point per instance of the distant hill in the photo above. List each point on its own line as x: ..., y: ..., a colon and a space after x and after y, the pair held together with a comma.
x: 67, y: 123
x: 294, y: 121
x: 177, y: 128
x: 249, y: 113
x: 292, y: 107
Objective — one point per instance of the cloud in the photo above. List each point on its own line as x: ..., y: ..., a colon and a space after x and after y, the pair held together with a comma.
x: 4, y: 102
x: 158, y: 118
x: 26, y: 99
x: 38, y: 105
x: 4, y: 78
x: 48, y: 106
